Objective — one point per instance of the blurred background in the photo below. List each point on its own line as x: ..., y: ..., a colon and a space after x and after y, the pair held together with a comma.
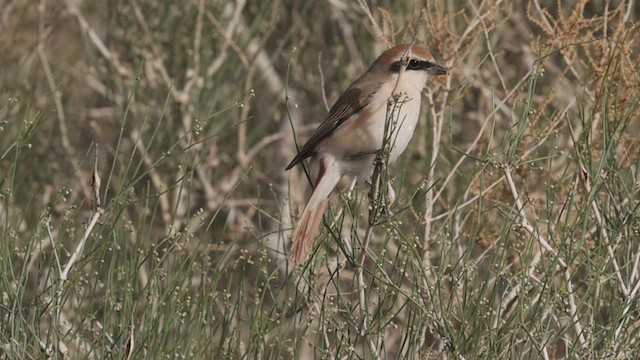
x: 515, y: 230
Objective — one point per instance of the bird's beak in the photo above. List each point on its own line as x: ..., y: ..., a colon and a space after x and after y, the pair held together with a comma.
x: 437, y: 70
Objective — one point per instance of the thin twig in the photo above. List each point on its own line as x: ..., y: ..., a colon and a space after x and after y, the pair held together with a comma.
x: 227, y: 34
x: 490, y: 48
x: 627, y: 13
x: 95, y: 185
x: 192, y: 73
x: 635, y: 269
x: 322, y: 90
x: 437, y: 124
x: 374, y: 24
x: 573, y: 312
x: 154, y: 175
x: 544, y: 17
x: 130, y: 342
x: 110, y: 56
x: 506, y: 170
x: 57, y: 95
x: 586, y: 183
x: 340, y: 12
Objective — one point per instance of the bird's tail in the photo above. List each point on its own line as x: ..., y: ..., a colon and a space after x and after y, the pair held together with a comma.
x: 309, y: 222
x: 306, y: 231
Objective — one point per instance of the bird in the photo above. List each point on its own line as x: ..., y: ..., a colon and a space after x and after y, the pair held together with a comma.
x: 347, y: 141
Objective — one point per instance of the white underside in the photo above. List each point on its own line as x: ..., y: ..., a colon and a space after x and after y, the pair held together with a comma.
x: 353, y: 145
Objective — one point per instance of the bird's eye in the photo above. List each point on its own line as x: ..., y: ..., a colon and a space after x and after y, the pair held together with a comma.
x: 414, y: 64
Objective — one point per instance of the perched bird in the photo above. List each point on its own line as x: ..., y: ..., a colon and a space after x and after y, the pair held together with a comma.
x: 347, y: 141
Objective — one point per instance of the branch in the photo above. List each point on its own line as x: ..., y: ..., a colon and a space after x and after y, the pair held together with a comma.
x: 95, y: 185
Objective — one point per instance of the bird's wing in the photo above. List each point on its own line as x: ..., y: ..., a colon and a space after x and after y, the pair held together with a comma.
x: 347, y: 105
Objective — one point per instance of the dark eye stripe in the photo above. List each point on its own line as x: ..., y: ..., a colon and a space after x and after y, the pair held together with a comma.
x: 414, y: 64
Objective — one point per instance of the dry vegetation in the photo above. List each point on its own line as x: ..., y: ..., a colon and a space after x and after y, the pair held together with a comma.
x: 145, y: 212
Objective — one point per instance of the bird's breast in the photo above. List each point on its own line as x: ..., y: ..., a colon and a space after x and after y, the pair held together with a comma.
x: 355, y: 143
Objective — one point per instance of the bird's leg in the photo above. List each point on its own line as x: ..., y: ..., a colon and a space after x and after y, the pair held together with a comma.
x: 390, y: 197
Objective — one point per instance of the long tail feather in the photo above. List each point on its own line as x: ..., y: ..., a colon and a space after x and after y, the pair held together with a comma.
x: 309, y: 222
x: 306, y: 231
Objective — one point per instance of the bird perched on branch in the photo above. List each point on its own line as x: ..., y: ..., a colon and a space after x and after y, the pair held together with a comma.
x: 348, y: 140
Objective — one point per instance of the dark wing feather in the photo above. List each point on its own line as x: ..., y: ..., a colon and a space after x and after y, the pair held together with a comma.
x: 346, y: 106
